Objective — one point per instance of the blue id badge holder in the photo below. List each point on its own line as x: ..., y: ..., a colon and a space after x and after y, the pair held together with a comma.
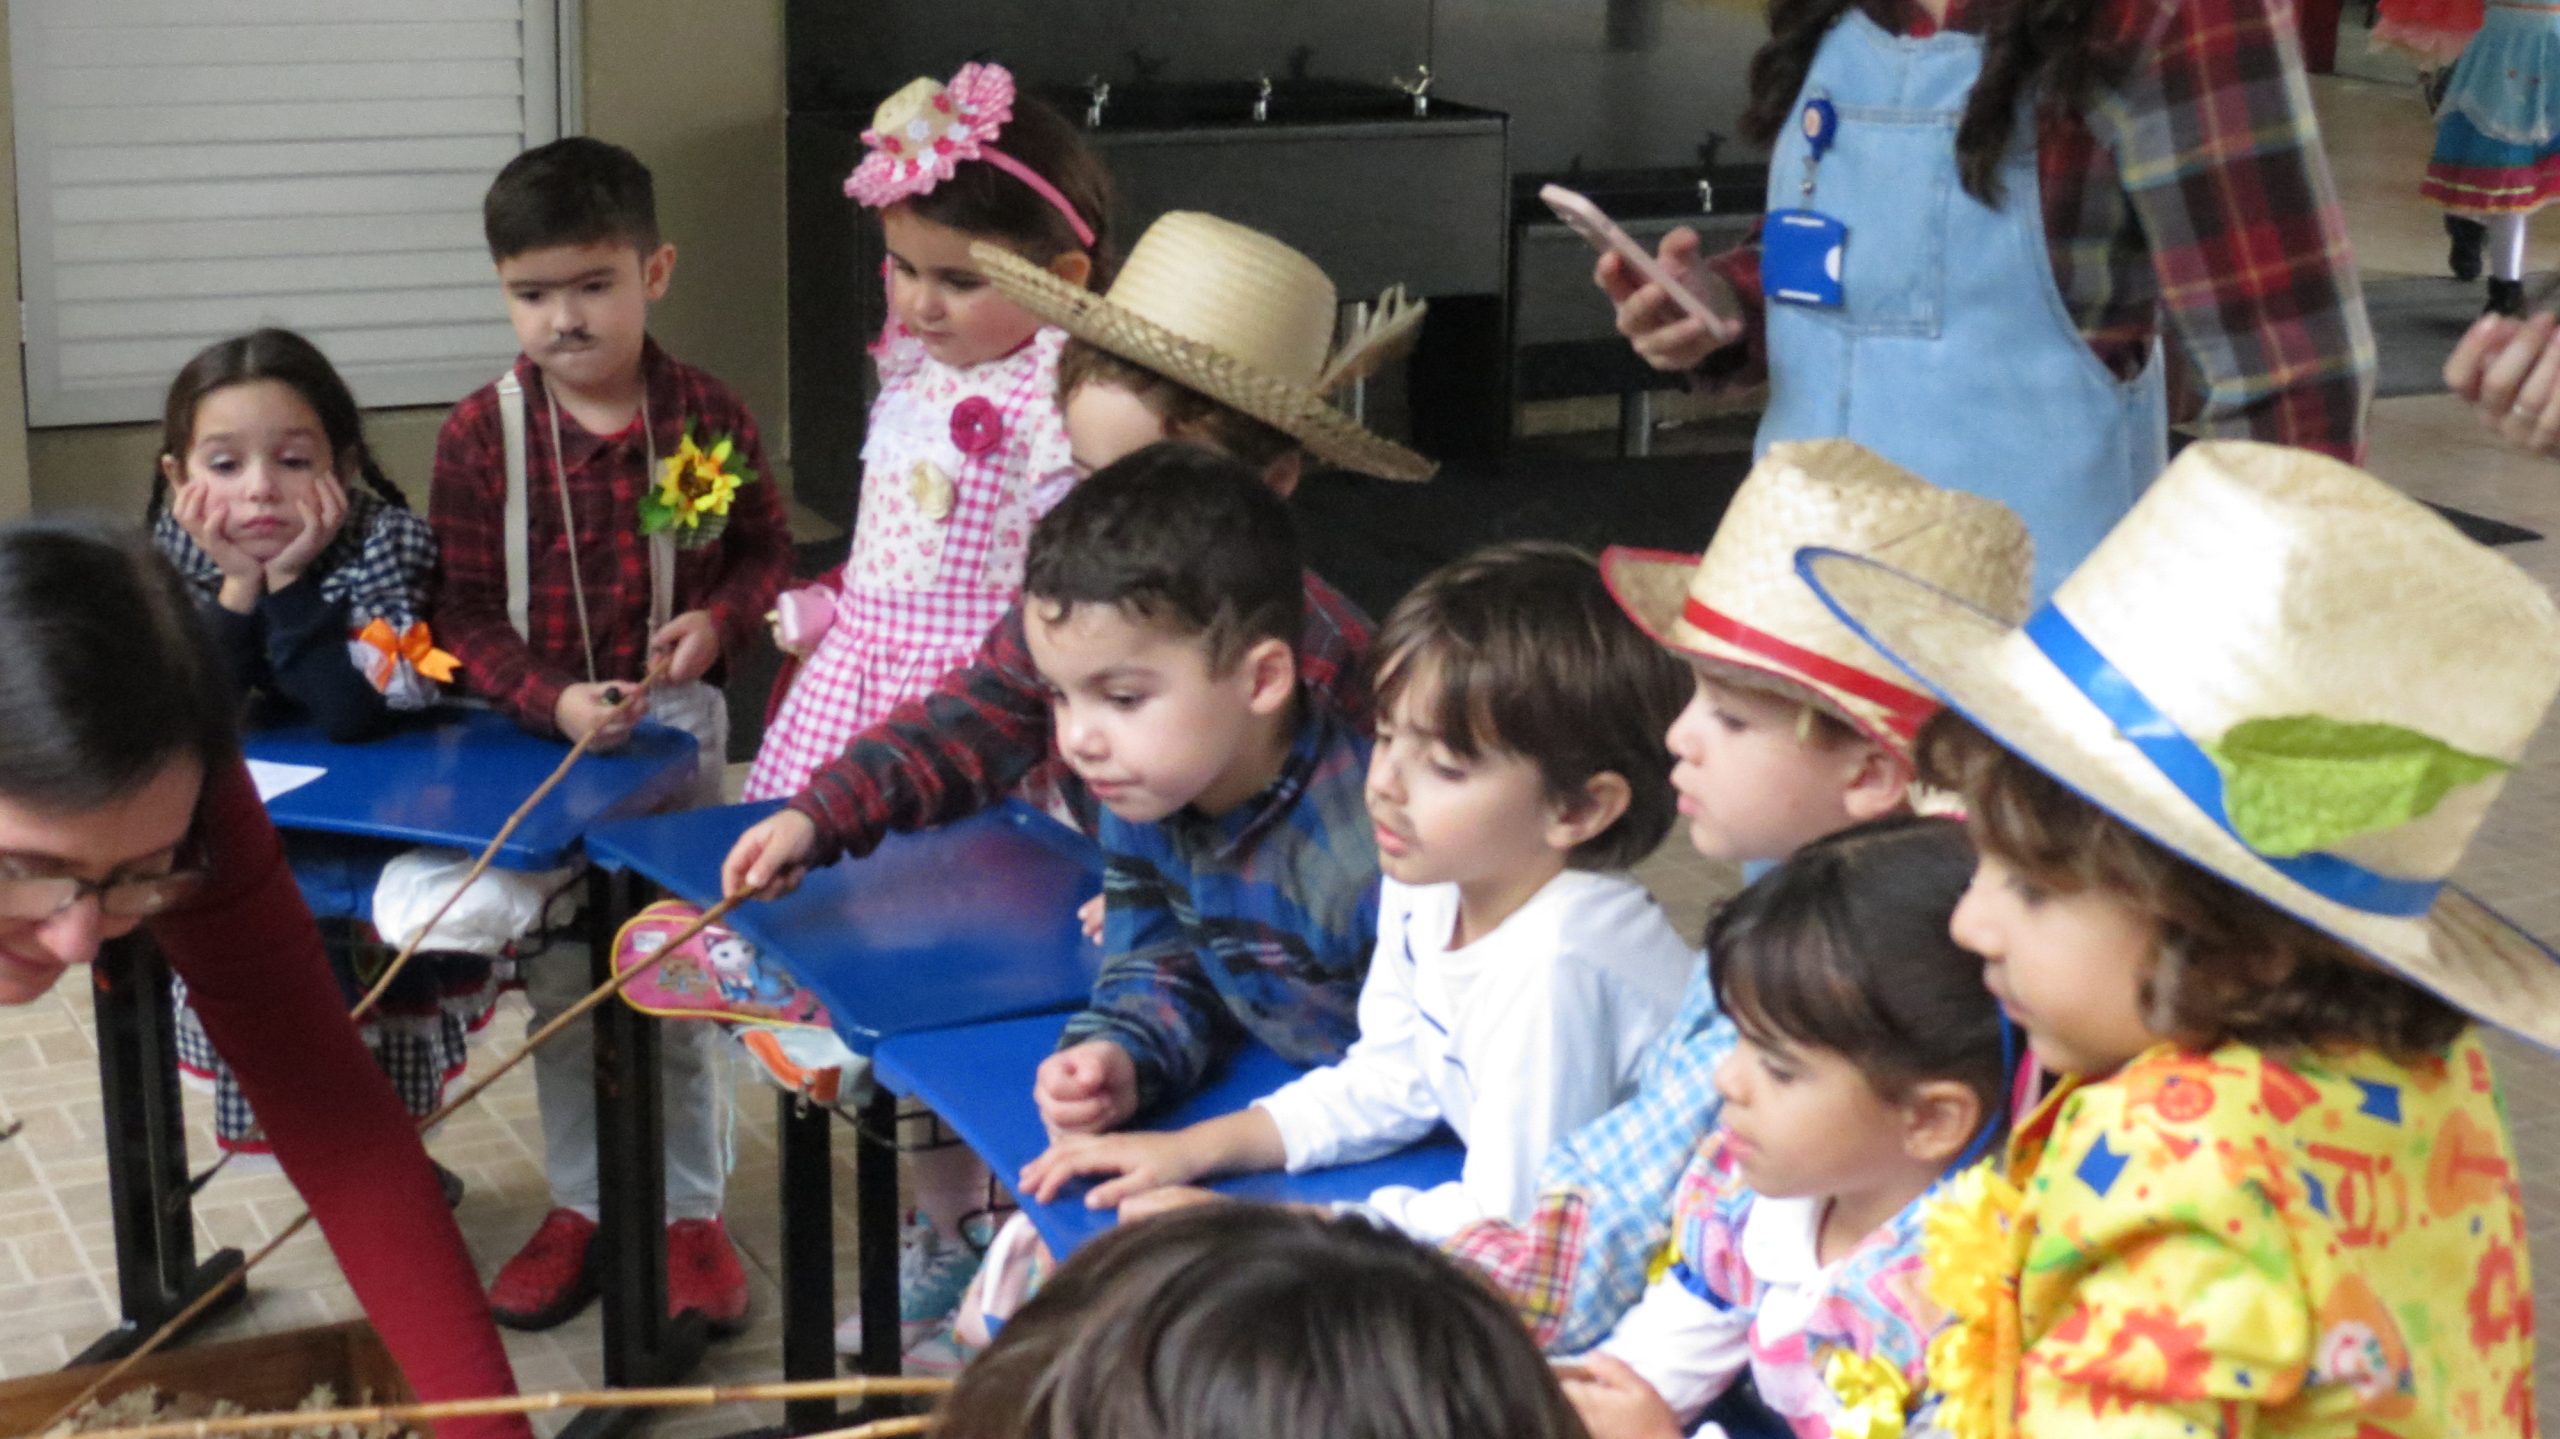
x: 1800, y: 248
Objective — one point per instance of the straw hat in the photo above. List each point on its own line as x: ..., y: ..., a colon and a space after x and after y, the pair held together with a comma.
x: 1742, y: 602
x: 1238, y: 316
x: 2393, y: 670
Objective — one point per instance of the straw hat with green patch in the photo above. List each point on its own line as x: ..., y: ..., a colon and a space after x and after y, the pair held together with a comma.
x: 1238, y: 316
x: 1742, y: 603
x: 2287, y: 672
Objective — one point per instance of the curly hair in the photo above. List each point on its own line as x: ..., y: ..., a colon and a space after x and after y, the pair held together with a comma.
x: 2230, y: 967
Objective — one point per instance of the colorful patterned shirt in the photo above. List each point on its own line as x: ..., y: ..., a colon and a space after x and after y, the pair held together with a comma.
x: 1603, y: 1216
x: 734, y: 578
x: 2195, y: 193
x: 965, y: 744
x: 2228, y: 1244
x: 1256, y: 922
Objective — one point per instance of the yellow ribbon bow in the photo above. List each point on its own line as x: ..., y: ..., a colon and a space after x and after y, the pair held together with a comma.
x: 1874, y: 1397
x: 413, y: 644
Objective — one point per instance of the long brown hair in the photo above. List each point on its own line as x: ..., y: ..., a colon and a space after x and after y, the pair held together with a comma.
x: 2054, y: 50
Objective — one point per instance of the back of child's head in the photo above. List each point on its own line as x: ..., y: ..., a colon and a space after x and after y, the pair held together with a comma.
x: 2229, y: 967
x: 1845, y: 947
x: 1245, y: 1322
x: 1520, y: 649
x: 1176, y: 537
x: 1187, y: 413
x: 573, y: 191
x: 288, y: 359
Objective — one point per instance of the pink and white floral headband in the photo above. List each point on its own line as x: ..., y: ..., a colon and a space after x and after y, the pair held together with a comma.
x: 920, y: 136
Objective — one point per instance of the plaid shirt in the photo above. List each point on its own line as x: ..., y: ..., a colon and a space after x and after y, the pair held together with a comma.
x: 734, y: 579
x: 952, y: 752
x: 1583, y: 1256
x: 1259, y: 921
x: 2196, y: 190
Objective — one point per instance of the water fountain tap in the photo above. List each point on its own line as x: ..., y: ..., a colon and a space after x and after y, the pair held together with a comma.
x: 1419, y: 87
x: 1262, y: 99
x: 1097, y: 93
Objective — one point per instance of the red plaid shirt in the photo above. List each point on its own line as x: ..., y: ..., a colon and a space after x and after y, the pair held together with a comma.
x: 2197, y: 190
x: 734, y: 579
x: 951, y: 752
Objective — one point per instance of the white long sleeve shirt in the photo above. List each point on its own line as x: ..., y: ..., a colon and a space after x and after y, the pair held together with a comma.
x: 1520, y: 1037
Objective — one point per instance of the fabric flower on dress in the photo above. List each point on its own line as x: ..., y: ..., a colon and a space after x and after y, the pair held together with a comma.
x: 976, y: 425
x: 1874, y: 1398
x: 1972, y: 1362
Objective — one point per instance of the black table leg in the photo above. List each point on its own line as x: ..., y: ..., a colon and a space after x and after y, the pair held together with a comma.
x: 808, y: 1259
x: 642, y: 1345
x: 875, y: 1207
x: 156, y: 1270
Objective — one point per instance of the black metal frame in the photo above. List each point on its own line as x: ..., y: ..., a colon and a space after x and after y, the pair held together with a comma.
x: 156, y: 1270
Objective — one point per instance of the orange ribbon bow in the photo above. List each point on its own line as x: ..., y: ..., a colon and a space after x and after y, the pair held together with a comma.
x: 413, y: 644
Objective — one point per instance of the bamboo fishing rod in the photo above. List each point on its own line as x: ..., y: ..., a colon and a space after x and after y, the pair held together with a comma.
x: 691, y: 1396
x: 536, y: 1040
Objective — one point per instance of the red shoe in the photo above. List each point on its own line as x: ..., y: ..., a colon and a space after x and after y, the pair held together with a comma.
x: 703, y: 1274
x: 551, y: 1278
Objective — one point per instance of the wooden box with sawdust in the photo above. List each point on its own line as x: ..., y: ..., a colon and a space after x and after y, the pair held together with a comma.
x: 266, y: 1373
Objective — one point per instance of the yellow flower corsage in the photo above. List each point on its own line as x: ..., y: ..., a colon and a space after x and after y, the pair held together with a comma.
x: 1874, y: 1398
x: 695, y: 489
x: 1973, y: 1361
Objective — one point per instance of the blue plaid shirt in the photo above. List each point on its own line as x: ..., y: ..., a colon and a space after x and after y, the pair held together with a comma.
x: 1256, y: 922
x: 1603, y: 1217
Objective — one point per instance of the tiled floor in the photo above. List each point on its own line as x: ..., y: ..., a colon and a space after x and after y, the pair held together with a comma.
x: 56, y: 1264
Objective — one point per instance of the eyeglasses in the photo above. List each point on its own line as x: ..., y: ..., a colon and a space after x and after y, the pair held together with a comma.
x: 28, y: 898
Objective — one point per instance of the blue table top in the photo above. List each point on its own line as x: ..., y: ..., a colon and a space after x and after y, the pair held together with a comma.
x: 453, y: 778
x: 979, y: 1080
x: 971, y: 922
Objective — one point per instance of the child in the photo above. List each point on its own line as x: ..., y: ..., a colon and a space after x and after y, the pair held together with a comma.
x: 1797, y: 730
x: 965, y: 449
x: 2497, y: 149
x: 1239, y: 870
x: 316, y: 595
x: 2217, y: 784
x: 1250, y: 1322
x: 1872, y: 1063
x: 675, y: 554
x: 1519, y: 970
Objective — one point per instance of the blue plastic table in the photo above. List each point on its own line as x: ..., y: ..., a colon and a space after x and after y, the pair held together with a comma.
x: 453, y: 777
x: 979, y: 1080
x: 960, y: 925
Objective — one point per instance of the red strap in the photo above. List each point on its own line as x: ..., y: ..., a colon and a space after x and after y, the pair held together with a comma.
x: 1905, y: 710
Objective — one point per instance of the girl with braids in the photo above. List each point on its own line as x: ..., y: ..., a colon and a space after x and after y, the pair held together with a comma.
x: 315, y: 596
x: 2121, y: 173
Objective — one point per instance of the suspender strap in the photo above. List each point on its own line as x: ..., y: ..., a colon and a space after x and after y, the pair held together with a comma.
x: 518, y: 538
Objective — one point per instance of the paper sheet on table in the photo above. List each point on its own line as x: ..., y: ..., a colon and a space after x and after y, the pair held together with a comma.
x: 273, y: 778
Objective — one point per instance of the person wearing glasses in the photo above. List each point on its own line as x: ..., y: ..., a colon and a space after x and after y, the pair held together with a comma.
x: 124, y: 805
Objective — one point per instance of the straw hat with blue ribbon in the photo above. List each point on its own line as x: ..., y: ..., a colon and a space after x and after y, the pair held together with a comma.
x: 2288, y: 673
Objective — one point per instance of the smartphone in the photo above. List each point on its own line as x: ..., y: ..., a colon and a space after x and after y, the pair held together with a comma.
x: 1592, y: 224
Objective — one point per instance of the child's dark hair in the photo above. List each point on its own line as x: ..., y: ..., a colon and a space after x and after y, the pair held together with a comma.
x: 574, y: 191
x: 1844, y: 947
x: 1187, y: 413
x: 1528, y: 654
x: 2230, y: 966
x: 2051, y: 49
x: 1234, y: 1321
x: 985, y: 201
x: 285, y: 357
x: 1176, y: 536
x: 108, y: 674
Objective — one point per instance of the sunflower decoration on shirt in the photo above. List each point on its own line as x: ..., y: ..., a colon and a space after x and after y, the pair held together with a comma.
x: 1967, y: 1237
x: 695, y: 488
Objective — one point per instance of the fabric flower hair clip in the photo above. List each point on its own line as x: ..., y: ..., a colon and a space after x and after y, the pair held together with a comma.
x: 920, y: 136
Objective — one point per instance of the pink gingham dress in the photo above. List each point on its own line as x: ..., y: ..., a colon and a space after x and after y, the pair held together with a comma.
x: 926, y: 583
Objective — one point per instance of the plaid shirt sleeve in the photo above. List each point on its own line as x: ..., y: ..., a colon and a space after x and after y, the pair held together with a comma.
x: 1152, y: 998
x: 466, y: 505
x: 1583, y: 1256
x: 960, y: 747
x: 2218, y: 153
